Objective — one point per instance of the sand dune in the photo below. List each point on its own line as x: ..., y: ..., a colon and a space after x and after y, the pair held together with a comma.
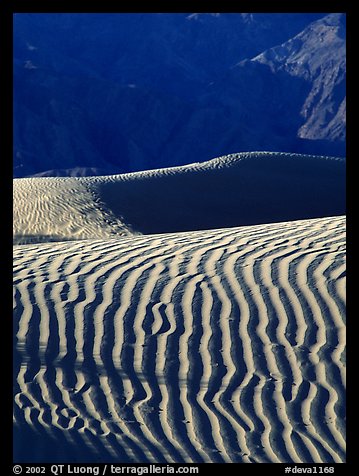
x: 59, y: 209
x: 234, y: 190
x: 223, y: 345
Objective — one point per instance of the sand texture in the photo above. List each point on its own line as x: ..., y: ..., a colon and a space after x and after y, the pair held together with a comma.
x: 234, y: 190
x: 222, y: 345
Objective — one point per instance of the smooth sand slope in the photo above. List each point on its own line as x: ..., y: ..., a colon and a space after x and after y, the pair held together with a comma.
x: 207, y: 346
x: 234, y: 190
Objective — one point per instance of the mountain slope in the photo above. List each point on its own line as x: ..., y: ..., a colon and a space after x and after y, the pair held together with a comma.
x: 318, y: 56
x: 141, y: 91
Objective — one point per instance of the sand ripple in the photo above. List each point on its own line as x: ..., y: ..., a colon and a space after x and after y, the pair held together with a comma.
x: 210, y: 346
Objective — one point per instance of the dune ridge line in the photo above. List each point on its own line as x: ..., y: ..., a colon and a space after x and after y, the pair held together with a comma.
x: 234, y: 190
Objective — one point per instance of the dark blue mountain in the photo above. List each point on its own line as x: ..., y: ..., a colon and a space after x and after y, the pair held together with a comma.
x: 123, y: 92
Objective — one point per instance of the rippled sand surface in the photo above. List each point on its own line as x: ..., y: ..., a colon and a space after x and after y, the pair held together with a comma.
x: 223, y: 345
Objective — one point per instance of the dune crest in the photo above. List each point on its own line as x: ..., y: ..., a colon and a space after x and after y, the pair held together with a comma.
x: 234, y: 190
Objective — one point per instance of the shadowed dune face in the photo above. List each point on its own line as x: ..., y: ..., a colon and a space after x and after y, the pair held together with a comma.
x: 209, y: 346
x: 239, y: 189
x: 234, y: 190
